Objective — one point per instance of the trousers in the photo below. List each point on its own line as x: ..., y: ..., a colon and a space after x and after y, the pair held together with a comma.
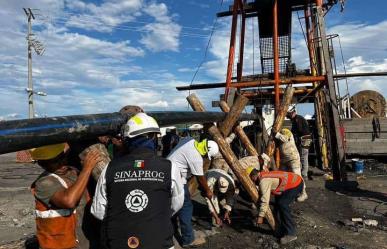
x: 286, y: 224
x: 304, y: 154
x: 185, y: 218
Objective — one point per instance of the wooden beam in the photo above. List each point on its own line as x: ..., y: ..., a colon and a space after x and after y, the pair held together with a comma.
x: 279, y: 120
x: 226, y: 126
x: 240, y: 133
x: 232, y: 160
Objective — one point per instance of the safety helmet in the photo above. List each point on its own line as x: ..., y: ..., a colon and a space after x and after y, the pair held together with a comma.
x: 140, y: 124
x: 207, y: 147
x: 47, y: 152
x: 223, y: 185
x: 213, y: 149
x: 286, y: 132
x: 292, y: 108
x: 249, y: 170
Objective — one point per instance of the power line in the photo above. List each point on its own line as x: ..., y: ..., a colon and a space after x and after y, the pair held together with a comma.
x: 64, y: 20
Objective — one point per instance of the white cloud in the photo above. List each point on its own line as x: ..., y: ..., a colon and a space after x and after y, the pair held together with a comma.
x: 103, y: 17
x: 80, y: 73
x: 163, y: 35
x: 186, y: 70
x: 362, y: 39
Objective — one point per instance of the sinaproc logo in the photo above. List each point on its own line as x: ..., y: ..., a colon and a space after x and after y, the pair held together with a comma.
x: 136, y: 201
x: 133, y: 242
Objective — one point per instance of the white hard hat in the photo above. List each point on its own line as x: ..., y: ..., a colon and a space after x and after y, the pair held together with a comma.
x: 292, y: 108
x: 213, y: 149
x: 140, y: 124
x: 223, y: 185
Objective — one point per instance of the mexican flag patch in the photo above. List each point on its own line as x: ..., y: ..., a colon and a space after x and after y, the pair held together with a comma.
x: 139, y: 164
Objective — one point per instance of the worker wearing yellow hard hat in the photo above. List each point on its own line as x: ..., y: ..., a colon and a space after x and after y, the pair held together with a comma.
x: 47, y: 152
x: 57, y: 192
x: 285, y: 186
x: 290, y: 156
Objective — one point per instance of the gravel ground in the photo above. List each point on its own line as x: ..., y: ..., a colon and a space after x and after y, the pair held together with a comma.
x: 323, y: 221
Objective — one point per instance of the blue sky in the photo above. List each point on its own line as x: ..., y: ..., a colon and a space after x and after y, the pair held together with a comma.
x: 102, y: 55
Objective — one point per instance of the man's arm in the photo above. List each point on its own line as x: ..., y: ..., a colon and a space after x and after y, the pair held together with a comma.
x: 281, y: 137
x: 203, y: 183
x: 177, y: 189
x: 196, y: 163
x: 211, y: 181
x: 211, y: 184
x: 228, y: 205
x: 98, y: 207
x: 69, y: 198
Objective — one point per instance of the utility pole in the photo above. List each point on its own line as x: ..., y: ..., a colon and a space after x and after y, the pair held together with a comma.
x: 39, y: 49
x: 30, y: 92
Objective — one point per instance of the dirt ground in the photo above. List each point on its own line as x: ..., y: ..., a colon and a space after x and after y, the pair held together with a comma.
x: 323, y: 221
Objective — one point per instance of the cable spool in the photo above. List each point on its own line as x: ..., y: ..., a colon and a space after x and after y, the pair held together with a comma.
x: 369, y: 103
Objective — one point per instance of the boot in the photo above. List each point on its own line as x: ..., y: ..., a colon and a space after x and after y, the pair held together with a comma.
x: 302, y: 197
x: 287, y: 239
x: 198, y: 241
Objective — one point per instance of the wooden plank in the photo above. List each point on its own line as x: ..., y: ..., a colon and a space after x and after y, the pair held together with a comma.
x: 287, y: 98
x: 365, y: 147
x: 240, y: 133
x: 364, y: 135
x: 232, y: 116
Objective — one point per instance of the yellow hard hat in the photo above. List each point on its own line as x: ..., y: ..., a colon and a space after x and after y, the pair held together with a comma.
x: 286, y: 132
x: 249, y: 170
x: 47, y: 152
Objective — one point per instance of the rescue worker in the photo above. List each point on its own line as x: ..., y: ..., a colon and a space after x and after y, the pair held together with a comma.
x: 224, y: 192
x: 285, y: 186
x: 57, y: 192
x: 188, y: 157
x: 138, y: 192
x: 290, y: 158
x: 303, y: 138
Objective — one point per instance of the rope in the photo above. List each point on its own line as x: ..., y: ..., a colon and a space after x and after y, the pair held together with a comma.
x: 206, y: 50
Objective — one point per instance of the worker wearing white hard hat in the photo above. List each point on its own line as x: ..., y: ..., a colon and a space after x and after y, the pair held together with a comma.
x: 138, y: 191
x: 224, y: 192
x: 188, y: 156
x: 303, y: 138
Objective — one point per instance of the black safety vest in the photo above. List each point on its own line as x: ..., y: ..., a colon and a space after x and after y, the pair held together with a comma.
x: 138, y: 214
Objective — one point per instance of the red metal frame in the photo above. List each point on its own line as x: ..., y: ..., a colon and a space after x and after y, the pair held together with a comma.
x: 276, y: 58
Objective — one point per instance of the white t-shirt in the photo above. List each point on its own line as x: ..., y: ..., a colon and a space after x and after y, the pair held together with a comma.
x: 187, y: 159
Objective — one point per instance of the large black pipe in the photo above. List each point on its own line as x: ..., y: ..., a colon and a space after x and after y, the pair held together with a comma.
x: 23, y: 134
